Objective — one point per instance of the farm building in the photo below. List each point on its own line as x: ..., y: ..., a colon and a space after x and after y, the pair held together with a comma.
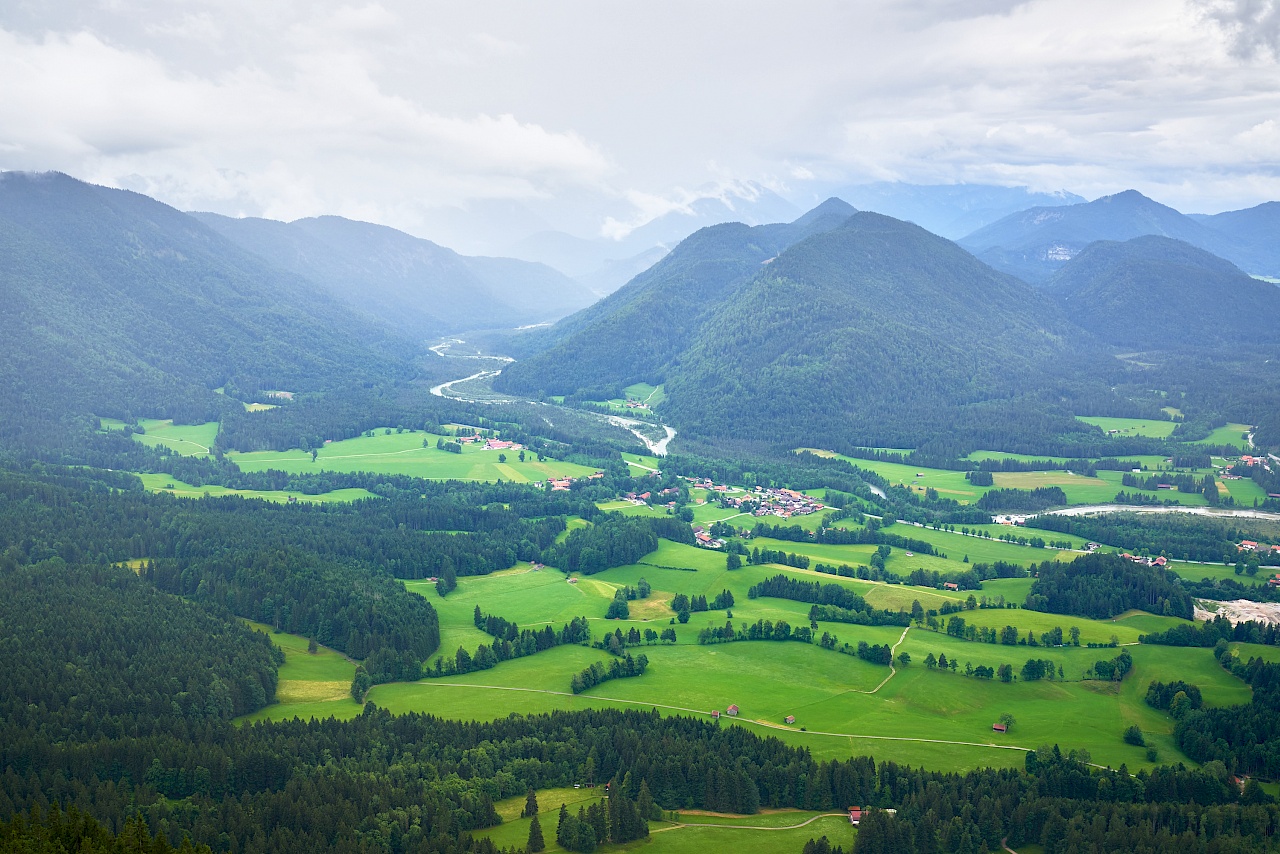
x: 732, y: 711
x: 789, y: 719
x: 715, y: 713
x: 951, y: 585
x: 999, y: 728
x: 855, y: 815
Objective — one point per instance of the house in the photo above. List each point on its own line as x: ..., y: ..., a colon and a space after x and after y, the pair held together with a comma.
x: 999, y: 728
x: 715, y: 713
x: 1164, y: 486
x: 1247, y: 545
x: 1274, y: 581
x: 950, y: 585
x: 855, y: 815
x: 1160, y: 561
x: 732, y: 711
x: 789, y: 719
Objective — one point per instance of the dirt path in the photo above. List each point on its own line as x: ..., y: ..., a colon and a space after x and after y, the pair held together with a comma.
x: 892, y: 672
x: 681, y: 824
x: 739, y: 720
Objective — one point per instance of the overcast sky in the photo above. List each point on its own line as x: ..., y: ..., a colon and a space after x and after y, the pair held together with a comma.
x: 596, y: 116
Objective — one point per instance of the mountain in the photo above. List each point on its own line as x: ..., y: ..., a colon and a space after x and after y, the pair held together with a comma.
x: 606, y: 263
x: 949, y: 210
x: 1034, y: 243
x: 1257, y: 231
x: 416, y: 286
x: 1158, y: 293
x: 837, y: 329
x: 633, y: 334
x: 875, y: 331
x: 116, y: 304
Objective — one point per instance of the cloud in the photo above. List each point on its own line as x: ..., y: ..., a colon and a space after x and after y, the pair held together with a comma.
x: 1252, y: 26
x: 326, y: 137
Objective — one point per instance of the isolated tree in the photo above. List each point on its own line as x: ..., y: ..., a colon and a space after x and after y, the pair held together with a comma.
x: 904, y: 658
x: 522, y: 456
x: 535, y: 843
x: 312, y: 646
x: 530, y: 804
x: 1008, y: 720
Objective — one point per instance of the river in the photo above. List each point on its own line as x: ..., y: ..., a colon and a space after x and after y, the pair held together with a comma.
x: 1241, y: 512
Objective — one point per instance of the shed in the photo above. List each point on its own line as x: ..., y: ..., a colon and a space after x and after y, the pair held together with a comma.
x: 715, y: 713
x: 999, y: 728
x: 732, y: 711
x: 790, y: 719
x: 855, y: 815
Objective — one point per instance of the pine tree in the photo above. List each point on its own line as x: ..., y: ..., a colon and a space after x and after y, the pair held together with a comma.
x: 530, y: 804
x: 535, y: 843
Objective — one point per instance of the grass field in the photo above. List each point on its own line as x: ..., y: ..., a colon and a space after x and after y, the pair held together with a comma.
x: 1131, y: 426
x: 1228, y: 434
x: 771, y: 831
x: 316, y: 685
x: 842, y: 705
x: 190, y: 440
x: 167, y: 483
x: 404, y: 453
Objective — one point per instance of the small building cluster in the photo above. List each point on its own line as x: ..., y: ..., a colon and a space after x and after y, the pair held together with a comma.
x: 562, y: 484
x: 704, y: 539
x: 1146, y: 561
x: 763, y: 501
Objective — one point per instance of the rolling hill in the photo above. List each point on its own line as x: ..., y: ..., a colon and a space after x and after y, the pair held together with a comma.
x: 414, y: 285
x: 115, y: 304
x: 1257, y: 231
x: 1158, y: 293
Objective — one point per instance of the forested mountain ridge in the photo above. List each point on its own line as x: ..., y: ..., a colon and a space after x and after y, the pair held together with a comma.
x: 867, y: 333
x: 116, y: 304
x: 1034, y: 243
x: 412, y: 284
x: 1257, y: 230
x: 633, y: 334
x: 1185, y: 297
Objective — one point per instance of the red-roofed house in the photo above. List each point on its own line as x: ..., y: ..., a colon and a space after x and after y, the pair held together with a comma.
x: 855, y: 815
x: 732, y: 711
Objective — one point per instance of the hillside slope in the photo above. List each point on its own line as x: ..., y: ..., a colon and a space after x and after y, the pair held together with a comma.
x: 877, y: 331
x: 1157, y: 293
x: 1257, y: 231
x: 1034, y: 243
x: 417, y: 286
x: 634, y: 334
x: 116, y: 304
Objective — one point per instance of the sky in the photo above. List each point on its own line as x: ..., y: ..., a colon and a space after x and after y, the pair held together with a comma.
x: 596, y: 117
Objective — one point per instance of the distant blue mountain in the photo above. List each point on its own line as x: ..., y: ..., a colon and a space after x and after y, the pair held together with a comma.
x: 949, y: 210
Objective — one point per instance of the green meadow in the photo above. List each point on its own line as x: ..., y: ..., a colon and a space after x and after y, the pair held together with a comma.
x: 412, y: 453
x: 695, y: 832
x: 842, y: 705
x: 190, y: 440
x: 311, y: 685
x: 1131, y: 426
x: 1228, y: 434
x: 167, y: 483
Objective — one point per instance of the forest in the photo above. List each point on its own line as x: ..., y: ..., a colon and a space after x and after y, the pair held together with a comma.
x: 1101, y: 586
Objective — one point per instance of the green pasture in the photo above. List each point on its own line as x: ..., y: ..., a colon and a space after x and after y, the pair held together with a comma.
x: 190, y: 440
x: 1228, y: 434
x: 404, y: 453
x: 1245, y: 491
x: 642, y: 462
x: 309, y: 685
x: 694, y: 832
x: 166, y: 483
x: 1213, y: 571
x: 1131, y: 426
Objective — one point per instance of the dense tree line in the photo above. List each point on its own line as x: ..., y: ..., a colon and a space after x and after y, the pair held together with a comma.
x: 1181, y: 536
x: 617, y: 668
x: 859, y: 617
x: 1101, y: 586
x: 783, y: 586
x: 509, y: 641
x: 1245, y: 737
x: 872, y: 534
x: 1022, y: 500
x: 759, y: 630
x: 95, y: 651
x: 613, y: 540
x: 1208, y: 633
